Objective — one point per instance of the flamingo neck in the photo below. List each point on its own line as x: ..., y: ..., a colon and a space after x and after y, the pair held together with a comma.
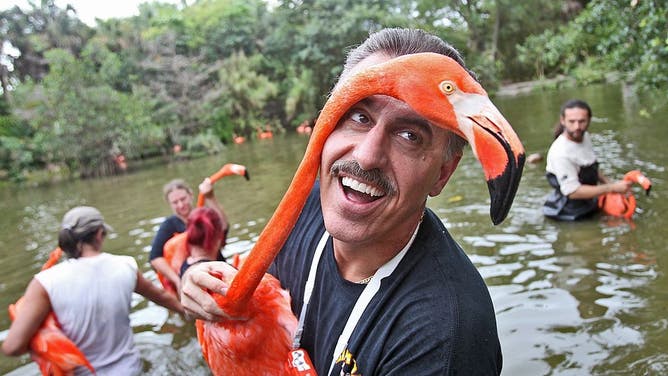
x: 285, y: 216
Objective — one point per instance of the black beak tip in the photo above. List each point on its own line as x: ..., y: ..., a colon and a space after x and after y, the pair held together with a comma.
x: 246, y: 175
x: 503, y: 188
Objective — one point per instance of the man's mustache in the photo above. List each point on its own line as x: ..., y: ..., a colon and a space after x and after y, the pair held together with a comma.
x: 374, y: 176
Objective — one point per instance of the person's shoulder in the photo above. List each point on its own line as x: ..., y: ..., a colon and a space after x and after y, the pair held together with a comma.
x: 312, y: 208
x: 435, y: 239
x: 54, y: 270
x: 560, y: 143
x: 120, y: 259
x: 310, y: 220
x: 586, y: 138
x: 444, y: 261
x: 172, y: 220
x: 172, y: 224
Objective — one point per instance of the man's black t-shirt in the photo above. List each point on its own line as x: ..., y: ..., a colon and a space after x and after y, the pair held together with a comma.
x: 432, y: 316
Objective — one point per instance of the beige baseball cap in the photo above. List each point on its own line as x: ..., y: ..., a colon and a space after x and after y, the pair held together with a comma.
x: 83, y: 219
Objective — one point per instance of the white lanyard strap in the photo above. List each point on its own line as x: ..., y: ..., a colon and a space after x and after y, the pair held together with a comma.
x: 308, y: 290
x: 360, y: 305
x: 363, y: 301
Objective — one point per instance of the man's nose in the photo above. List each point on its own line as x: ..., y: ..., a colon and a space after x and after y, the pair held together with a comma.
x: 372, y: 149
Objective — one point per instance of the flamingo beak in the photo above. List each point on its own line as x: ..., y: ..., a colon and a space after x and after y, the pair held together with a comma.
x: 502, y: 156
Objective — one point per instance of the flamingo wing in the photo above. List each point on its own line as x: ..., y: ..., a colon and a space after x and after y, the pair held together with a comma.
x: 50, y: 348
x: 257, y: 346
x: 624, y: 204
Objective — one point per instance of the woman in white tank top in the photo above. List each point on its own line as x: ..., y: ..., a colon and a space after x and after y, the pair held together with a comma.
x: 90, y: 294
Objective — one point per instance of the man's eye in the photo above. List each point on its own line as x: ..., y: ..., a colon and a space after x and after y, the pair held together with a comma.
x: 410, y: 136
x: 359, y: 117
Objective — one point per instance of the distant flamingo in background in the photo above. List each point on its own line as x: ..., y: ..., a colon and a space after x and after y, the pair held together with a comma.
x: 624, y: 204
x: 54, y: 353
x: 304, y: 128
x: 175, y: 249
x: 264, y: 134
x: 441, y: 91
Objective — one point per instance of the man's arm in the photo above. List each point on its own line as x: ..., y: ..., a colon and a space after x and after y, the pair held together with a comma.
x: 156, y: 257
x: 586, y: 191
x: 157, y: 295
x: 161, y: 266
x: 210, y: 200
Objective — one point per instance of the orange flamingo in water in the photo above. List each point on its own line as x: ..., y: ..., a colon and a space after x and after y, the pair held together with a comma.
x: 442, y: 92
x: 624, y: 204
x: 238, y: 139
x: 175, y: 249
x: 54, y: 353
x: 265, y: 134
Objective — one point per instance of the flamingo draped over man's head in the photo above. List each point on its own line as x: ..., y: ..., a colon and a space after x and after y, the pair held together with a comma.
x: 437, y: 88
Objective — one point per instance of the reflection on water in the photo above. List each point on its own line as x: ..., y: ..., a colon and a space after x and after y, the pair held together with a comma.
x: 571, y: 298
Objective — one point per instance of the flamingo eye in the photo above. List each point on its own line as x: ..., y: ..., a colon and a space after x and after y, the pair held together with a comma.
x: 447, y: 87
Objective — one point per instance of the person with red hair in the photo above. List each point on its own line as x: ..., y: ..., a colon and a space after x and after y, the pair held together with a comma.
x: 205, y: 237
x: 179, y: 196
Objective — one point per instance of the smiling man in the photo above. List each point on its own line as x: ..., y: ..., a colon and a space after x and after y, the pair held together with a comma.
x: 572, y: 167
x: 392, y: 292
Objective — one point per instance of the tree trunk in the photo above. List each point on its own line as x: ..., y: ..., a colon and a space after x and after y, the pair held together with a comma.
x: 4, y: 78
x: 497, y: 28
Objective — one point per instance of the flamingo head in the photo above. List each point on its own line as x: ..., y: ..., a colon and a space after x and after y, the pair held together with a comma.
x: 635, y: 176
x: 445, y: 94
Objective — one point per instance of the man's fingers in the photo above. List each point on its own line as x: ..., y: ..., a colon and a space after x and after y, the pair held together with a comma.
x: 200, y: 279
x: 197, y: 302
x: 197, y: 311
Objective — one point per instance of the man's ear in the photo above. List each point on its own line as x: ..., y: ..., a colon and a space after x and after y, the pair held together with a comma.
x: 100, y: 234
x: 447, y: 168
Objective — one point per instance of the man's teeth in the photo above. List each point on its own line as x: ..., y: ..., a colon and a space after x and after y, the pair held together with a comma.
x: 361, y: 187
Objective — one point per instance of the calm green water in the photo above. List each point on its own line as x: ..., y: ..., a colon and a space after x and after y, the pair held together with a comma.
x: 571, y: 298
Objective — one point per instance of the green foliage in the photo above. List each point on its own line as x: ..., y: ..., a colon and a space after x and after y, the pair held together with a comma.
x: 35, y: 31
x: 202, y: 144
x: 241, y: 96
x: 218, y: 28
x: 197, y: 74
x: 630, y: 37
x: 316, y: 36
x: 80, y: 121
x: 15, y: 157
x: 16, y: 154
x: 300, y: 100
